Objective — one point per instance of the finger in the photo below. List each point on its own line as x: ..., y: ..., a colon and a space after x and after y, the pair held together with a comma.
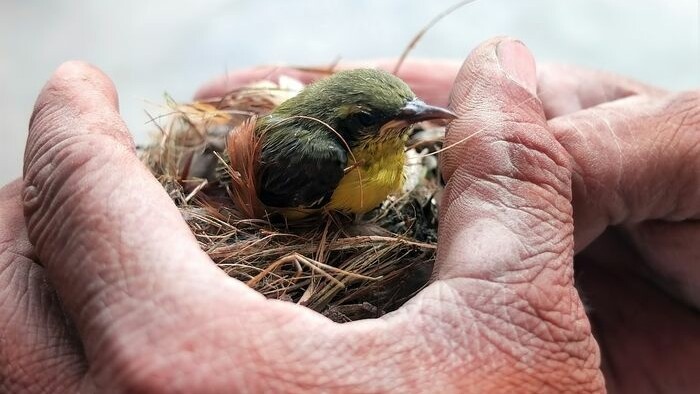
x: 627, y: 309
x: 431, y: 80
x: 113, y: 243
x: 565, y: 89
x: 503, y: 276
x: 509, y: 176
x: 38, y: 353
x: 633, y: 160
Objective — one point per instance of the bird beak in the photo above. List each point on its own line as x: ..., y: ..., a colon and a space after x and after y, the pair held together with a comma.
x: 417, y: 111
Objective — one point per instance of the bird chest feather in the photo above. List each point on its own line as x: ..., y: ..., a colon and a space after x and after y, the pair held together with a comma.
x: 375, y: 172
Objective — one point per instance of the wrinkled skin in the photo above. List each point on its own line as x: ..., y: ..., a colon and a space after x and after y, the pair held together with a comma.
x: 124, y: 300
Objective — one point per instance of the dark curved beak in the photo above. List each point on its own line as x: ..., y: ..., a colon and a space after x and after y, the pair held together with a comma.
x: 417, y: 111
x: 413, y: 112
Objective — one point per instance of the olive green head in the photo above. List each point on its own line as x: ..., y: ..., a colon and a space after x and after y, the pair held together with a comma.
x: 359, y: 104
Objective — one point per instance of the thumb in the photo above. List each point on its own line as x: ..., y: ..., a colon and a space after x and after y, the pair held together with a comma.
x: 507, y: 213
x: 505, y: 249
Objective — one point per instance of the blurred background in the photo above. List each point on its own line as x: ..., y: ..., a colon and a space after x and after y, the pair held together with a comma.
x: 156, y: 46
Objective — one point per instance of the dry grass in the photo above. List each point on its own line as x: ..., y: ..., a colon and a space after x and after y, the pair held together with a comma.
x: 339, y: 266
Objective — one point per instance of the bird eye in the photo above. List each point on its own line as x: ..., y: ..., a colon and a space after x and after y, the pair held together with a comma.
x: 366, y: 119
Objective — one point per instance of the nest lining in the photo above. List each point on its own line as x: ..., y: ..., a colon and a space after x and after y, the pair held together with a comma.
x: 345, y: 268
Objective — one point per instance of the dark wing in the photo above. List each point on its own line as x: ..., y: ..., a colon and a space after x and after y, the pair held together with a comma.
x: 300, y: 168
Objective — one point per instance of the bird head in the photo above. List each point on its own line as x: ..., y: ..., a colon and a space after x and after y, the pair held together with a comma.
x: 362, y: 104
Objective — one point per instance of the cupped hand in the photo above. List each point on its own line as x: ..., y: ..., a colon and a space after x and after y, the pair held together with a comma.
x: 632, y: 150
x: 139, y: 307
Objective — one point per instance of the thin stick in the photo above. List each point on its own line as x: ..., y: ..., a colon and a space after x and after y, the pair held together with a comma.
x: 320, y: 254
x: 330, y: 69
x: 314, y: 265
x: 425, y: 29
x: 474, y: 134
x: 379, y: 238
x: 196, y: 190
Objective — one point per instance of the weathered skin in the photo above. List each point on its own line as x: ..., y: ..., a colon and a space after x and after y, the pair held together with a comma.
x: 153, y: 314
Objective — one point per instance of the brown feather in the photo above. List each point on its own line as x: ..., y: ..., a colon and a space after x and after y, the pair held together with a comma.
x: 243, y: 150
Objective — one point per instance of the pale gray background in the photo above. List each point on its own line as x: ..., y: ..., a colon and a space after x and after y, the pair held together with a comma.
x: 149, y: 47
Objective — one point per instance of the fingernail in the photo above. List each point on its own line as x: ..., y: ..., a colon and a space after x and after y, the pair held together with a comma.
x: 518, y: 64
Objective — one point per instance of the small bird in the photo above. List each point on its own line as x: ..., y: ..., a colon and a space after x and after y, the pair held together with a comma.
x: 339, y: 144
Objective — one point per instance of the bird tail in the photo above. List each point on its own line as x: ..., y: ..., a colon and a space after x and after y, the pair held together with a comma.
x: 243, y: 150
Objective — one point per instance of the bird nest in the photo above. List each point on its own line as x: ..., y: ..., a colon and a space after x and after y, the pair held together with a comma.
x: 346, y: 268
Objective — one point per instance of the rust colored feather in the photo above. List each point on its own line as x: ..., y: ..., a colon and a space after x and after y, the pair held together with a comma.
x: 243, y: 150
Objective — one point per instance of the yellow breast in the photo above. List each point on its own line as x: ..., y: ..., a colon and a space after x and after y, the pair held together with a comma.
x: 377, y: 171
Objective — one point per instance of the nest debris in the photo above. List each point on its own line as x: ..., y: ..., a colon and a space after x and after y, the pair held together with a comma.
x: 338, y: 266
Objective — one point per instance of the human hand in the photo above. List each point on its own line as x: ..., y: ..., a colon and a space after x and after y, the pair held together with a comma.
x: 632, y: 149
x: 154, y: 314
x: 635, y: 177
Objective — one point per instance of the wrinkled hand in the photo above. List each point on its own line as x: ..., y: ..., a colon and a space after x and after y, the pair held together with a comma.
x: 149, y: 312
x: 634, y: 157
